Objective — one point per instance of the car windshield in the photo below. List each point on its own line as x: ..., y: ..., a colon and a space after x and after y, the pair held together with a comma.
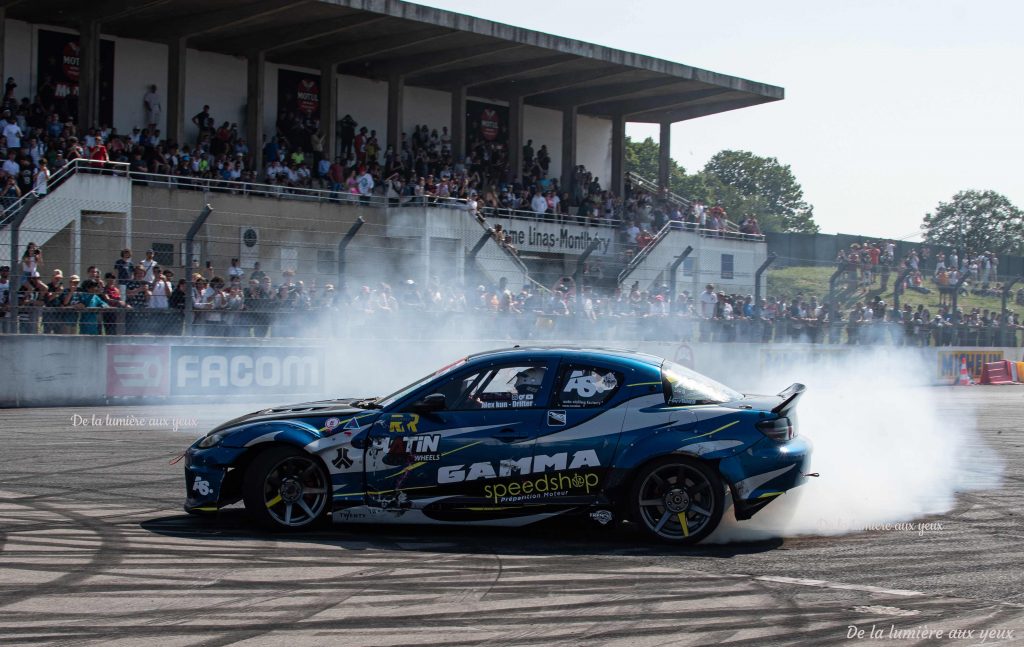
x: 401, y: 393
x: 690, y: 387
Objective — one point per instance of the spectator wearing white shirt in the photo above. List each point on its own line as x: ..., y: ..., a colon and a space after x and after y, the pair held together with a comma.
x: 11, y: 166
x: 12, y: 132
x: 708, y: 300
x: 538, y: 204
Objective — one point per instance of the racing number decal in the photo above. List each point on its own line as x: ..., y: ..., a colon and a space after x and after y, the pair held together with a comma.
x: 403, y: 422
x: 201, y: 485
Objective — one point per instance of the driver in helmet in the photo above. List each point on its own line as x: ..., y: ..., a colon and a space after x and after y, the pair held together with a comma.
x: 528, y: 381
x: 520, y: 391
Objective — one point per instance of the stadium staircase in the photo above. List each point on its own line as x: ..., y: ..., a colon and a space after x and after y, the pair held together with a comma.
x: 75, y: 191
x: 491, y: 261
x: 650, y: 267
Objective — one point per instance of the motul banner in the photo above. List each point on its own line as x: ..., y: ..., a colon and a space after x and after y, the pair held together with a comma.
x: 298, y: 92
x: 58, y: 68
x: 486, y: 122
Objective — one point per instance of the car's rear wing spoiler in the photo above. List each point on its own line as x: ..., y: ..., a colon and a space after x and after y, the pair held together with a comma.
x: 790, y: 396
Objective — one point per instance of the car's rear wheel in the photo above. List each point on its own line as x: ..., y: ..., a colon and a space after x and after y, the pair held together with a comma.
x: 285, y: 488
x: 677, y: 500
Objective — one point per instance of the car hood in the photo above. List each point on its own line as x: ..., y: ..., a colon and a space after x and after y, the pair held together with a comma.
x: 317, y: 409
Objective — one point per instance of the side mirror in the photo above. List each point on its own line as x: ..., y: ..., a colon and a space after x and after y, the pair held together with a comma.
x: 432, y: 402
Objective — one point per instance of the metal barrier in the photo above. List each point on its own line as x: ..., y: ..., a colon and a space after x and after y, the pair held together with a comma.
x: 296, y: 320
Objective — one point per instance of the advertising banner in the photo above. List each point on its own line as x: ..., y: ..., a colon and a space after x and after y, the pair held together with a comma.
x: 160, y: 371
x: 58, y: 68
x: 486, y: 122
x: 205, y: 370
x: 137, y: 370
x: 298, y: 92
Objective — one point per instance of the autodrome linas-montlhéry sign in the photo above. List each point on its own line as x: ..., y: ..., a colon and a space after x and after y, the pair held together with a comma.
x: 553, y: 237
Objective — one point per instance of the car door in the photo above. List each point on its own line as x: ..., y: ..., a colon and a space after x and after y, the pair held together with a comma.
x: 583, y: 421
x: 461, y: 461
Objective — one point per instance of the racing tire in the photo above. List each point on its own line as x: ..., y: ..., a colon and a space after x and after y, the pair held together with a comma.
x: 677, y: 500
x: 285, y: 488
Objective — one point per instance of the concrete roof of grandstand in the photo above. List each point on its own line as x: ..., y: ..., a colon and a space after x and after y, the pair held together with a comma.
x: 426, y: 47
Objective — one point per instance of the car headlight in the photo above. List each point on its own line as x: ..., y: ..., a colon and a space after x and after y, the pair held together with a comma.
x: 210, y: 440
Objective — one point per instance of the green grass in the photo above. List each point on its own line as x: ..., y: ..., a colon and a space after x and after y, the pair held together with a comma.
x: 813, y: 281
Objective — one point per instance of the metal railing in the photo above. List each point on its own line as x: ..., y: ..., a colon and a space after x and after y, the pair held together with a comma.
x: 336, y: 196
x: 672, y: 198
x: 611, y: 321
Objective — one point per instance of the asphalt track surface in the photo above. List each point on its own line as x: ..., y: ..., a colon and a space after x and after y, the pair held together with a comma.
x: 94, y: 549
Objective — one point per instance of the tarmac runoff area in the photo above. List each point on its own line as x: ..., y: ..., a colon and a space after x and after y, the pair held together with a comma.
x: 94, y: 549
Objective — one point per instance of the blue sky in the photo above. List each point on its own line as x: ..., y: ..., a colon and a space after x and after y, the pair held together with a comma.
x: 891, y: 106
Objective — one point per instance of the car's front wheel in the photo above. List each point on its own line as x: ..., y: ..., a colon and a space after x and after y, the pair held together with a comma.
x: 678, y: 500
x: 286, y: 488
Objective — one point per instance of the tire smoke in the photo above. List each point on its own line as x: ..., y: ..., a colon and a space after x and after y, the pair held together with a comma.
x: 888, y: 448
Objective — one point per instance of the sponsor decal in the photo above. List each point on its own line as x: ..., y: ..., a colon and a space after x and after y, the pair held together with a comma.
x: 408, y: 449
x: 202, y: 486
x: 353, y: 423
x: 331, y: 423
x: 589, y: 387
x: 505, y: 400
x: 513, y: 467
x: 400, y: 423
x: 221, y: 370
x: 137, y: 370
x: 603, y: 517
x: 342, y: 460
x: 548, y: 485
x: 556, y: 418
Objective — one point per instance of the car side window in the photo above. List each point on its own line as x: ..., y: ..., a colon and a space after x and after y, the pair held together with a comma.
x: 582, y: 386
x: 515, y: 386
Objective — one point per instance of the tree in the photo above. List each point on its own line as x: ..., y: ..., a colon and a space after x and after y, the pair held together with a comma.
x: 745, y: 183
x: 976, y: 221
x: 642, y: 159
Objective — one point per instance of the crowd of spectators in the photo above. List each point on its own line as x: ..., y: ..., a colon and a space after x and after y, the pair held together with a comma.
x: 870, y: 262
x: 139, y: 297
x: 40, y: 136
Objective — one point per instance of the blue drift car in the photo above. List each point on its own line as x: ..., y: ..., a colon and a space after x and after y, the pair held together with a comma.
x: 509, y: 438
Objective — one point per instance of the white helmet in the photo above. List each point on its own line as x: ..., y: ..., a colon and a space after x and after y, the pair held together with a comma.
x: 529, y: 380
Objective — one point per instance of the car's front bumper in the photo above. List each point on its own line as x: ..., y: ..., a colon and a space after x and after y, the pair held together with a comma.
x: 209, y: 479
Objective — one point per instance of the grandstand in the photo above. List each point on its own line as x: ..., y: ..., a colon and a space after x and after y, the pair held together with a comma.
x: 423, y: 145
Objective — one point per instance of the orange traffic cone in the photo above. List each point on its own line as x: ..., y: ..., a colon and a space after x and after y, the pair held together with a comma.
x: 965, y: 379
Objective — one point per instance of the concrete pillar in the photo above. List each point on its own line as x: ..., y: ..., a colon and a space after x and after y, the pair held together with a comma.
x: 256, y: 78
x: 458, y: 122
x: 617, y: 180
x: 664, y: 160
x: 329, y: 109
x: 176, y: 90
x: 515, y: 137
x: 88, y: 74
x: 396, y: 91
x: 568, y: 146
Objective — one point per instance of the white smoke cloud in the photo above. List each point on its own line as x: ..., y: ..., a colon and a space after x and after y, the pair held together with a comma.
x: 888, y: 448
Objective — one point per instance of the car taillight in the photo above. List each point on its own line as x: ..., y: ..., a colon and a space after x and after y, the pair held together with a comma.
x: 780, y: 429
